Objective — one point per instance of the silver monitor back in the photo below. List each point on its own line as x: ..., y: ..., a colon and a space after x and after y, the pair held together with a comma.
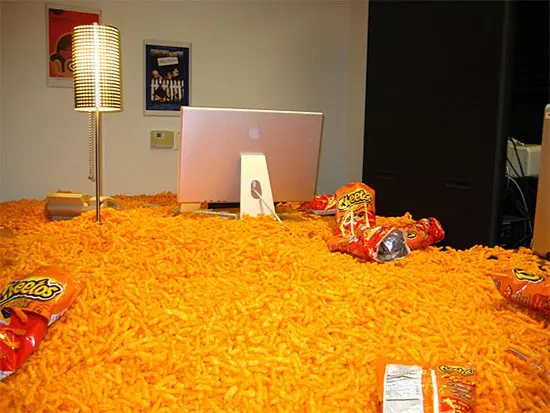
x: 212, y: 140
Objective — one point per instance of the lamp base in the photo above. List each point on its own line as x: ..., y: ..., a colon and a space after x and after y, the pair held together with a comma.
x: 104, y: 202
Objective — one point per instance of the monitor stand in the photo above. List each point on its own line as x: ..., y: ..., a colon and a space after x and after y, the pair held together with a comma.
x: 256, y: 194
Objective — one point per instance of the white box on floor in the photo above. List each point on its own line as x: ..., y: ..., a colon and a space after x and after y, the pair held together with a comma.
x: 529, y: 159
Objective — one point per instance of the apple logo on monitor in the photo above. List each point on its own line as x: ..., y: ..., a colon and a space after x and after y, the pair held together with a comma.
x: 254, y: 132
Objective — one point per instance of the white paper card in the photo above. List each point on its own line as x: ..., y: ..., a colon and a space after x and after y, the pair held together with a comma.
x: 403, y: 389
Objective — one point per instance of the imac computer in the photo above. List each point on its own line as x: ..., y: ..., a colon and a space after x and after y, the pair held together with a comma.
x: 541, y: 233
x: 213, y: 141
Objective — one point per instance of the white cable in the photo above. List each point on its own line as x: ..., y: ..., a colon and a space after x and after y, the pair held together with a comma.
x: 510, y: 178
x: 267, y: 206
x: 516, y: 141
x: 507, y: 181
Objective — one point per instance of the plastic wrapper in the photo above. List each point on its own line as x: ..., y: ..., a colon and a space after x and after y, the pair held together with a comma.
x: 538, y: 368
x: 413, y: 388
x: 355, y: 208
x: 378, y: 244
x: 27, y: 308
x: 323, y: 204
x: 423, y: 233
x: 527, y: 289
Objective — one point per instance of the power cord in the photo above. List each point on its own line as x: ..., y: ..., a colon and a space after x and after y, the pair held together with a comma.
x: 515, y: 143
x: 523, y: 206
x: 524, y: 200
x: 91, y: 146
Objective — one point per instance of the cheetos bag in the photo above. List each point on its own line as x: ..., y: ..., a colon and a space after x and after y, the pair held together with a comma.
x: 527, y: 289
x: 28, y: 306
x: 355, y: 208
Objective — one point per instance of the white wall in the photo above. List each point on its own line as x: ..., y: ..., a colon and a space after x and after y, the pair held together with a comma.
x: 294, y: 55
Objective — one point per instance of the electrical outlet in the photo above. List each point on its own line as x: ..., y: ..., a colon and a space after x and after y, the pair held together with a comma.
x: 177, y: 141
x: 162, y: 139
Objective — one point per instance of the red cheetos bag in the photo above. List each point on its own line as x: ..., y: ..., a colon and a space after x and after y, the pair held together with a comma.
x: 527, y: 289
x: 355, y: 208
x: 323, y: 204
x: 423, y: 233
x: 27, y: 307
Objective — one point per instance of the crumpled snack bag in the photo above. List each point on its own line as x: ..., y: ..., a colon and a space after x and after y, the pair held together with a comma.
x: 527, y: 289
x: 423, y: 233
x: 355, y: 208
x: 404, y: 387
x: 323, y: 204
x: 27, y: 308
x: 378, y: 244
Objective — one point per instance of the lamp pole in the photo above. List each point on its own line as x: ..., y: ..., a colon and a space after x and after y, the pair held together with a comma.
x: 98, y: 189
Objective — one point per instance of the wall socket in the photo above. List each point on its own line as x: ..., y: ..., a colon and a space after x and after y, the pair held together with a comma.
x: 163, y: 139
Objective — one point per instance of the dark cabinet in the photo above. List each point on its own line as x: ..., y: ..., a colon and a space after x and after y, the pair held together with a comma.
x: 438, y: 112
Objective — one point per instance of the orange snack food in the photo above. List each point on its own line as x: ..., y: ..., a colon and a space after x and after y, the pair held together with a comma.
x: 27, y: 308
x: 423, y: 233
x: 411, y: 388
x: 189, y: 313
x: 527, y: 289
x: 355, y: 208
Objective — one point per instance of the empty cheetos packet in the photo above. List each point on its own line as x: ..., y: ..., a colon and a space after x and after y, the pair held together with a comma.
x: 27, y: 308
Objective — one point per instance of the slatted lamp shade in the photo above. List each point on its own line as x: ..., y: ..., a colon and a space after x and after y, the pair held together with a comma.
x: 96, y: 68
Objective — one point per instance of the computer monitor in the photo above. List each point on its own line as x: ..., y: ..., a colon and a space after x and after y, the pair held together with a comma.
x: 212, y: 140
x: 541, y: 233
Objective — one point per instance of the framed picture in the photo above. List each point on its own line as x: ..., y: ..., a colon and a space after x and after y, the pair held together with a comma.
x: 167, y: 77
x: 60, y: 20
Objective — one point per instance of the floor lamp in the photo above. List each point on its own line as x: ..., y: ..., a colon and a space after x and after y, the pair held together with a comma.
x: 97, y: 87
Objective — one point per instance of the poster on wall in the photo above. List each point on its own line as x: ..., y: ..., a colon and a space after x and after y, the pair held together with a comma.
x: 60, y: 20
x: 167, y: 77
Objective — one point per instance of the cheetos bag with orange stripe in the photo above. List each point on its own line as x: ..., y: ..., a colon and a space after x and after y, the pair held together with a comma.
x: 28, y: 307
x: 528, y: 289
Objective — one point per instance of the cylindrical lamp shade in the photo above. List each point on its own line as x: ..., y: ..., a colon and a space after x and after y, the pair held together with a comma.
x: 96, y: 68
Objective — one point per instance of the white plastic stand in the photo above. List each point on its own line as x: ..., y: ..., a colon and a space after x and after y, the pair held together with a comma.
x: 256, y: 194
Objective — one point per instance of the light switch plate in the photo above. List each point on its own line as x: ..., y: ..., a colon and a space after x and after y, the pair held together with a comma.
x: 162, y: 139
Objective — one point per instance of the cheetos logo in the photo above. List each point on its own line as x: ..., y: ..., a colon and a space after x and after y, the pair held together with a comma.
x: 42, y: 289
x: 463, y: 371
x: 527, y: 276
x: 357, y: 197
